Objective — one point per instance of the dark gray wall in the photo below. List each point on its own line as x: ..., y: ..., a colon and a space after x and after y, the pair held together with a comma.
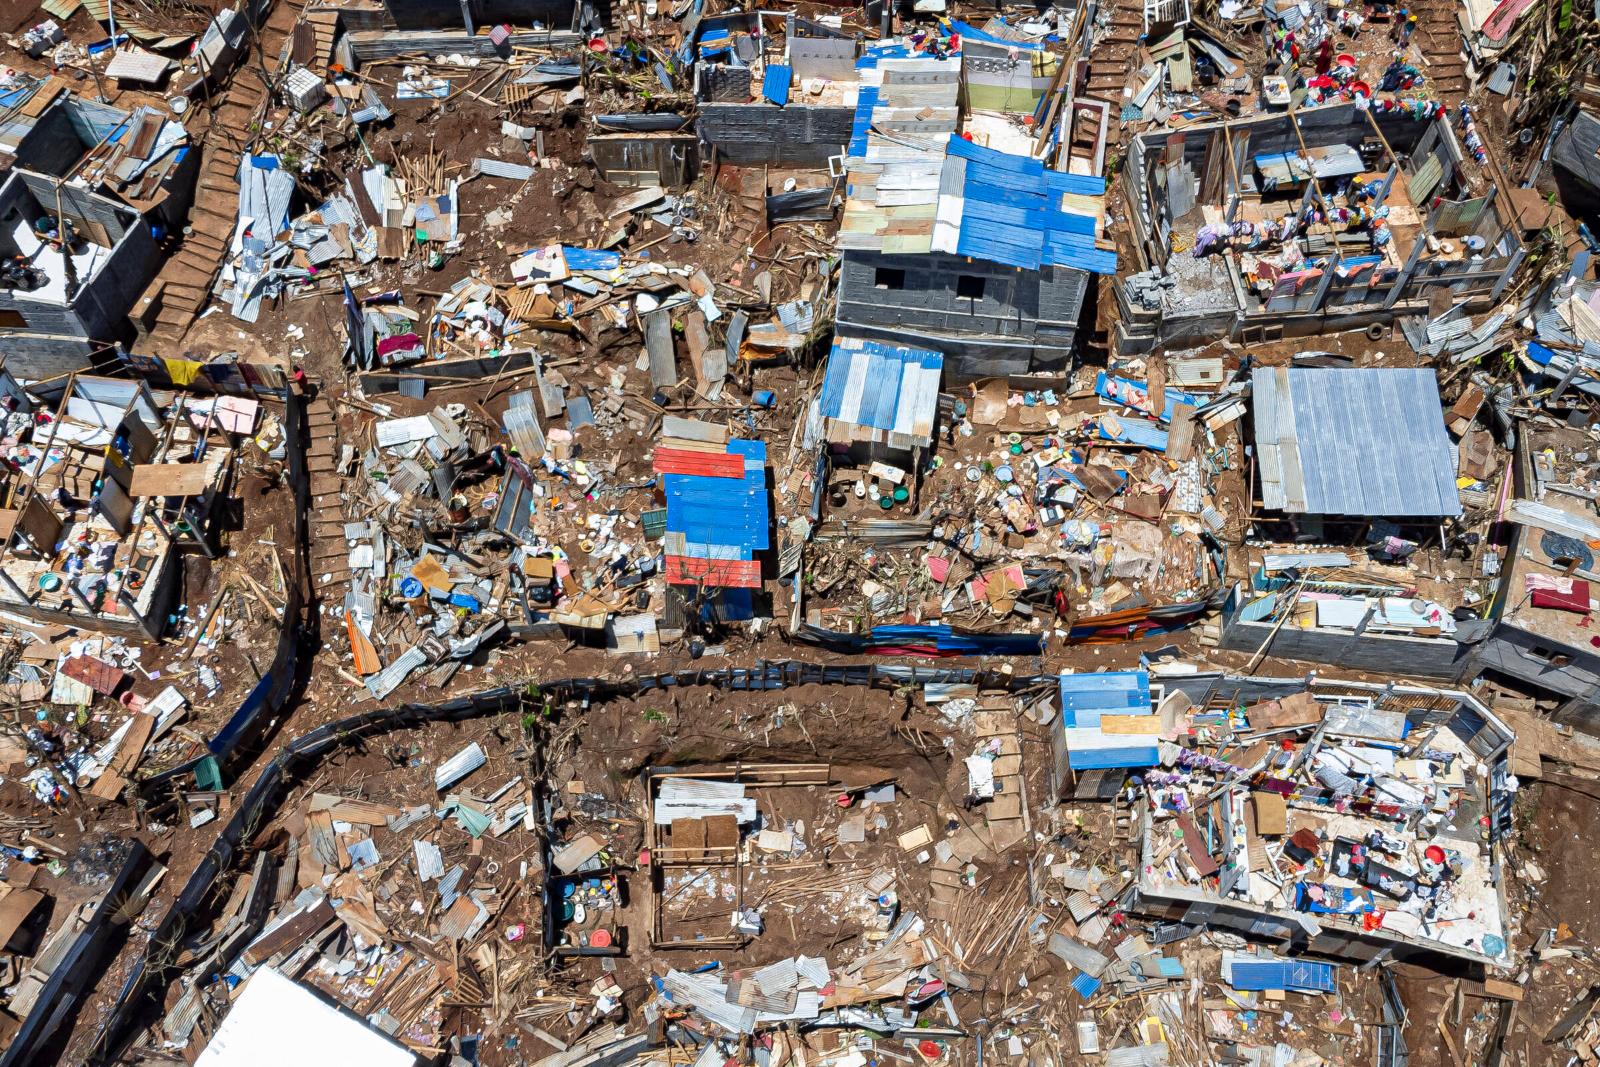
x: 1025, y: 321
x: 796, y: 136
x: 1524, y: 656
x: 1402, y: 657
x: 57, y: 337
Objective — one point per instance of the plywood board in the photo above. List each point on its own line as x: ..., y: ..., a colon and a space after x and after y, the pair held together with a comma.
x: 168, y: 479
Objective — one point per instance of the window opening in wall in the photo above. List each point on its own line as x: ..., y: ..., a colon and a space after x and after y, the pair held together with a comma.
x: 969, y: 287
x: 890, y: 278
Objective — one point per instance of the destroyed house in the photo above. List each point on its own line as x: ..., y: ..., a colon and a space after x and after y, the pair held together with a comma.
x: 1354, y: 470
x: 110, y: 488
x: 772, y: 88
x: 1539, y: 634
x: 76, y: 261
x: 1106, y: 730
x: 978, y: 253
x: 1342, y: 819
x: 1326, y: 219
x: 140, y: 158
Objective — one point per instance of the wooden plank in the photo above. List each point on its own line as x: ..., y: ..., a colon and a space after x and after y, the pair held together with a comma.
x: 114, y: 778
x: 1203, y: 861
x: 168, y: 479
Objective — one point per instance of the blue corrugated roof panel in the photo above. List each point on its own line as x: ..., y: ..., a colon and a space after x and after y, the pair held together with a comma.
x: 1086, y: 985
x: 1082, y: 184
x: 1011, y: 213
x: 1255, y: 975
x: 775, y: 83
x: 1085, y: 697
x: 1112, y: 752
x: 881, y: 380
x: 728, y: 513
x: 866, y: 100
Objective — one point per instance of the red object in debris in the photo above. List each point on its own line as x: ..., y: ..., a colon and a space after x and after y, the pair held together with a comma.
x: 929, y: 1049
x: 644, y: 857
x: 718, y: 573
x: 703, y: 464
x: 844, y: 800
x: 1575, y: 601
x: 1434, y: 853
x: 600, y: 938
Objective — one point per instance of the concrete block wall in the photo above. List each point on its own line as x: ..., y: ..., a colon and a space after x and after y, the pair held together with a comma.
x: 796, y: 136
x: 1390, y: 654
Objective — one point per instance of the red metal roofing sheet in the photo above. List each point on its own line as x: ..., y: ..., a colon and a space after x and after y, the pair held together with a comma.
x: 721, y: 573
x: 704, y: 464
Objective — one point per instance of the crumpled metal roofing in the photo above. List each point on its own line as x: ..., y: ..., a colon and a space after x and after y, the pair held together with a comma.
x: 1009, y: 211
x: 1366, y: 443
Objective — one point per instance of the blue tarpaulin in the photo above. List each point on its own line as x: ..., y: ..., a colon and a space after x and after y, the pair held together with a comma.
x: 580, y: 259
x: 1139, y: 432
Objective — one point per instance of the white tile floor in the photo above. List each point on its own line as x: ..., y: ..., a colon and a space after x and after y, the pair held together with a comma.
x: 53, y: 263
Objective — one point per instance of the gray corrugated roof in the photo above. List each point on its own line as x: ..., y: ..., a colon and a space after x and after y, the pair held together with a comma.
x: 1576, y: 145
x: 1366, y: 443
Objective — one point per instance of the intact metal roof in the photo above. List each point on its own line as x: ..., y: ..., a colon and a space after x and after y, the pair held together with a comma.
x: 1367, y: 443
x: 886, y: 387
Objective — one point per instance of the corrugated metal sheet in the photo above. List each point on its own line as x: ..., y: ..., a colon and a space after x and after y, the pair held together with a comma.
x: 719, y: 573
x: 1155, y: 1055
x: 388, y: 680
x: 1085, y: 697
x: 500, y: 168
x: 459, y: 766
x: 775, y: 83
x: 1010, y: 213
x: 1366, y: 443
x: 522, y: 426
x: 1545, y: 517
x: 1076, y: 954
x: 1252, y: 974
x: 701, y: 464
x: 722, y: 519
x: 1576, y: 147
x: 1090, y: 748
x: 886, y: 387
